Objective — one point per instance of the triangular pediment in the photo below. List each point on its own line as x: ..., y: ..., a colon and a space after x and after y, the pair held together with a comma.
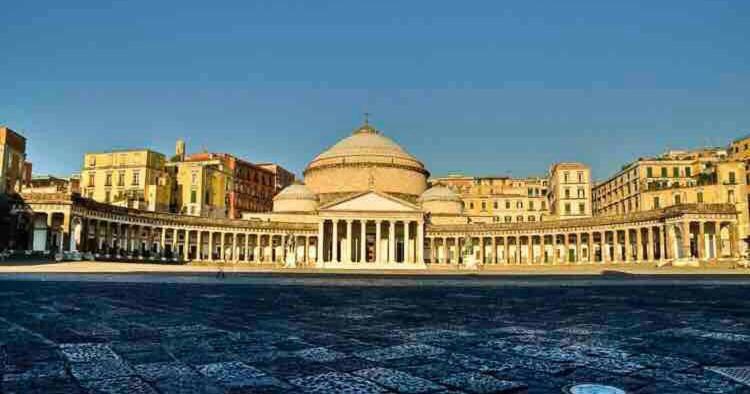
x: 371, y: 201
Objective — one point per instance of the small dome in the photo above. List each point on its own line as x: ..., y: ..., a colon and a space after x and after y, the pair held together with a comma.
x: 296, y: 191
x: 439, y: 193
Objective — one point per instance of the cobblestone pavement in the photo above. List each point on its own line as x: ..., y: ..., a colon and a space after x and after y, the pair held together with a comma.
x: 89, y: 337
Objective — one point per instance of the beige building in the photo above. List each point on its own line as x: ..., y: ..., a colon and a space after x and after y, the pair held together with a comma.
x: 497, y: 199
x: 130, y: 178
x: 281, y: 176
x: 569, y: 193
x: 12, y: 160
x: 201, y: 187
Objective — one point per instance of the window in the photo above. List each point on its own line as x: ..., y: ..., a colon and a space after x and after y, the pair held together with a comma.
x: 565, y: 177
x: 471, y: 205
x: 484, y: 205
x: 567, y: 193
x: 136, y: 178
x: 531, y: 205
x: 677, y: 199
x: 91, y: 179
x: 688, y: 171
x: 507, y: 204
x: 567, y: 208
x: 649, y: 172
x: 194, y: 178
x: 580, y: 177
x: 699, y: 197
x: 508, y: 219
x: 519, y: 204
x: 656, y: 202
x: 544, y: 205
x: 108, y: 180
x: 106, y: 196
x: 519, y: 219
x: 193, y: 196
x: 675, y: 172
x: 732, y: 178
x: 582, y: 194
x: 664, y: 172
x: 494, y: 205
x: 582, y: 208
x: 532, y: 219
x: 121, y: 179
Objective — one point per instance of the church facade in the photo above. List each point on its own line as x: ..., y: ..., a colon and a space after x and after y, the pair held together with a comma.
x: 365, y: 204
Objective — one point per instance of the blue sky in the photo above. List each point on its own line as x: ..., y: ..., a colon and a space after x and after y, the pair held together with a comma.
x: 480, y: 87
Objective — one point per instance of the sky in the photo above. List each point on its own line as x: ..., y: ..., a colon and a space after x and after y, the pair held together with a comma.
x: 476, y: 87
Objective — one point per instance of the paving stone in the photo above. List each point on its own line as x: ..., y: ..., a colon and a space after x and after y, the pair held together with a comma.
x: 471, y: 363
x: 87, y: 352
x: 126, y: 385
x: 188, y: 384
x: 236, y: 375
x: 100, y: 370
x: 397, y: 380
x: 336, y: 382
x: 704, y: 382
x: 738, y: 374
x: 481, y: 384
x: 162, y: 370
x: 319, y: 354
x: 44, y: 370
x: 401, y: 351
x: 42, y: 386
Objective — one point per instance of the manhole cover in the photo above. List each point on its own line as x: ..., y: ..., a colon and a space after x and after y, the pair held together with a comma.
x: 592, y: 389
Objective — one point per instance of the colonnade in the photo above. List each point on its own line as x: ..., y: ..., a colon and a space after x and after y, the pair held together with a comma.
x: 688, y: 239
x: 115, y: 239
x: 347, y: 240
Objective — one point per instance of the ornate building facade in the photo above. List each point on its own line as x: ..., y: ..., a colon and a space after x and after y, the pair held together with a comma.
x: 365, y: 204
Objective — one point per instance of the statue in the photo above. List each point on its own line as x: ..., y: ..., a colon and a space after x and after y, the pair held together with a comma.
x: 470, y: 261
x: 290, y: 249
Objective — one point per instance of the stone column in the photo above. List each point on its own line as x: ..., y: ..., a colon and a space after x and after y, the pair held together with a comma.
x: 603, y: 246
x: 734, y: 244
x: 685, y: 228
x: 335, y: 249
x: 667, y: 244
x: 590, y: 251
x: 392, y: 242
x: 566, y: 244
x: 579, y: 251
x: 407, y: 248
x: 420, y: 242
x: 457, y: 241
x: 554, y: 258
x: 222, y: 251
x: 163, y: 245
x: 616, y: 246
x: 306, y: 253
x: 493, y: 255
x: 650, y: 245
x: 247, y: 247
x: 701, y: 240
x: 445, y: 259
x: 210, y: 245
x: 628, y: 247
x: 320, y: 243
x: 506, y: 249
x: 363, y: 241
x: 639, y: 242
x: 348, y: 254
x: 543, y: 248
x: 234, y: 247
x: 378, y: 236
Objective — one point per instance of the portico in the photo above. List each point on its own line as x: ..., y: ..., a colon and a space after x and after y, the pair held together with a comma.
x: 371, y: 229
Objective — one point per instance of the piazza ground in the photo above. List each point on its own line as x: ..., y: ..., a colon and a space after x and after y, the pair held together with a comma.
x: 166, y: 333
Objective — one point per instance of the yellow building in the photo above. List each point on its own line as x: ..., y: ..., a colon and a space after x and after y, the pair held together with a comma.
x: 570, y: 191
x: 129, y: 178
x: 12, y: 158
x: 498, y: 199
x: 202, y: 186
x: 640, y: 185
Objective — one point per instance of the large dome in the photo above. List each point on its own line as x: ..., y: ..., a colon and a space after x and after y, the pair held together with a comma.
x: 366, y: 160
